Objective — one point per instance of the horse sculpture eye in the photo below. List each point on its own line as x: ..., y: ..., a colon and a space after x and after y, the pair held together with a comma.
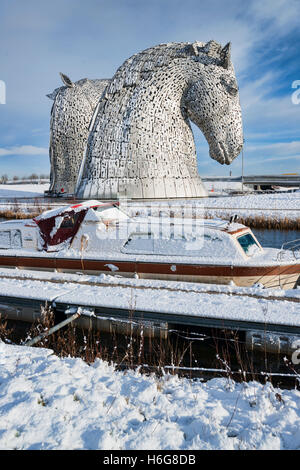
x: 233, y: 90
x: 230, y: 86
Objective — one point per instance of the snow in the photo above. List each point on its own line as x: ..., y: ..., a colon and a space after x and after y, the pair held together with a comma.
x: 220, y: 187
x: 51, y: 403
x: 112, y: 267
x: 70, y: 208
x: 209, y: 244
x: 276, y: 205
x: 48, y: 402
x: 22, y: 190
x: 58, y: 221
x: 181, y: 298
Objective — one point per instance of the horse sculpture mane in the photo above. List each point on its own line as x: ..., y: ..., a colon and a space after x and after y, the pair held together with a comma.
x: 140, y: 143
x: 72, y: 110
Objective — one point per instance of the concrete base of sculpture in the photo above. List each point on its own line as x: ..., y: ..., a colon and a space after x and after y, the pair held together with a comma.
x: 151, y: 188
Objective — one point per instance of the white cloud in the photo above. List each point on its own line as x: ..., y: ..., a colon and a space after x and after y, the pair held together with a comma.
x: 23, y: 150
x: 266, y: 114
x: 265, y: 161
x: 281, y: 149
x: 284, y: 14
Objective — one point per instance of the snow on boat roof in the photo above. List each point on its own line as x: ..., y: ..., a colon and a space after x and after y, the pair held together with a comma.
x: 213, y: 224
x: 15, y: 222
x: 223, y: 225
x: 74, y: 207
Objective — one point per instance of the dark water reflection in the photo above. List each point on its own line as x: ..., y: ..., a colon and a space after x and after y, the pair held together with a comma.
x: 275, y: 238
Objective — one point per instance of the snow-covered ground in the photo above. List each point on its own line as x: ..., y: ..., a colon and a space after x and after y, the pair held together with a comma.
x: 52, y: 403
x: 278, y: 205
x: 276, y: 201
x: 22, y: 190
x: 220, y: 187
x: 275, y: 206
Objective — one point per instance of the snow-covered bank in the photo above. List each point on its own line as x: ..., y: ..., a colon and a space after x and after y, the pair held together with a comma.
x: 278, y: 210
x: 278, y: 206
x: 23, y: 190
x: 52, y: 403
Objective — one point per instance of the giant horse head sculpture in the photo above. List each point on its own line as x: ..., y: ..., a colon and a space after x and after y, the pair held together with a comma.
x: 211, y: 100
x: 141, y: 144
x: 72, y: 110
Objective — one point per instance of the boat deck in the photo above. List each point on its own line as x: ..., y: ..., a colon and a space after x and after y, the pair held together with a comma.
x: 22, y: 293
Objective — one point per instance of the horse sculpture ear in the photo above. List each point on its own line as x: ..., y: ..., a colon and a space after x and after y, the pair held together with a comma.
x: 212, y: 49
x: 194, y: 48
x: 226, y: 56
x: 52, y: 95
x: 66, y: 80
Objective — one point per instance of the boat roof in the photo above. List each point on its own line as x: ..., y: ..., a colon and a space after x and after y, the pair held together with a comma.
x: 74, y: 208
x: 218, y: 225
x: 223, y: 225
x: 15, y: 222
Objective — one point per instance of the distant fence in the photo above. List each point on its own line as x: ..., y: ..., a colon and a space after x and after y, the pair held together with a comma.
x: 33, y: 181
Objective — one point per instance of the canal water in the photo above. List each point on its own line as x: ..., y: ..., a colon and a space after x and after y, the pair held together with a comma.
x: 275, y: 238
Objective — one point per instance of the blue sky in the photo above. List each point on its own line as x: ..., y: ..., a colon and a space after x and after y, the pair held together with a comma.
x: 39, y: 39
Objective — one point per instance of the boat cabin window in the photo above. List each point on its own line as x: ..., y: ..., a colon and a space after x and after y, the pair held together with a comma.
x: 5, y: 239
x: 248, y: 244
x: 10, y: 239
x: 181, y: 245
x: 69, y: 220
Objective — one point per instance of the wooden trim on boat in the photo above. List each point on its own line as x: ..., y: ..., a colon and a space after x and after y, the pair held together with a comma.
x: 175, y: 269
x: 233, y: 232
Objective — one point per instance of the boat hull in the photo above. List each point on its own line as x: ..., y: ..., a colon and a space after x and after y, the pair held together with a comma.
x: 282, y: 276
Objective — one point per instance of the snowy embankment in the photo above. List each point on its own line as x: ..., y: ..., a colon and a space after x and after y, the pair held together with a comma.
x: 23, y: 200
x: 278, y: 206
x: 282, y: 209
x: 22, y: 190
x: 52, y: 403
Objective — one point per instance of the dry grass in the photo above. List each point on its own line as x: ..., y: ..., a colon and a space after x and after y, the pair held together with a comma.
x: 260, y: 221
x: 124, y: 351
x: 18, y: 211
x: 226, y: 352
x: 12, y: 214
x: 270, y: 223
